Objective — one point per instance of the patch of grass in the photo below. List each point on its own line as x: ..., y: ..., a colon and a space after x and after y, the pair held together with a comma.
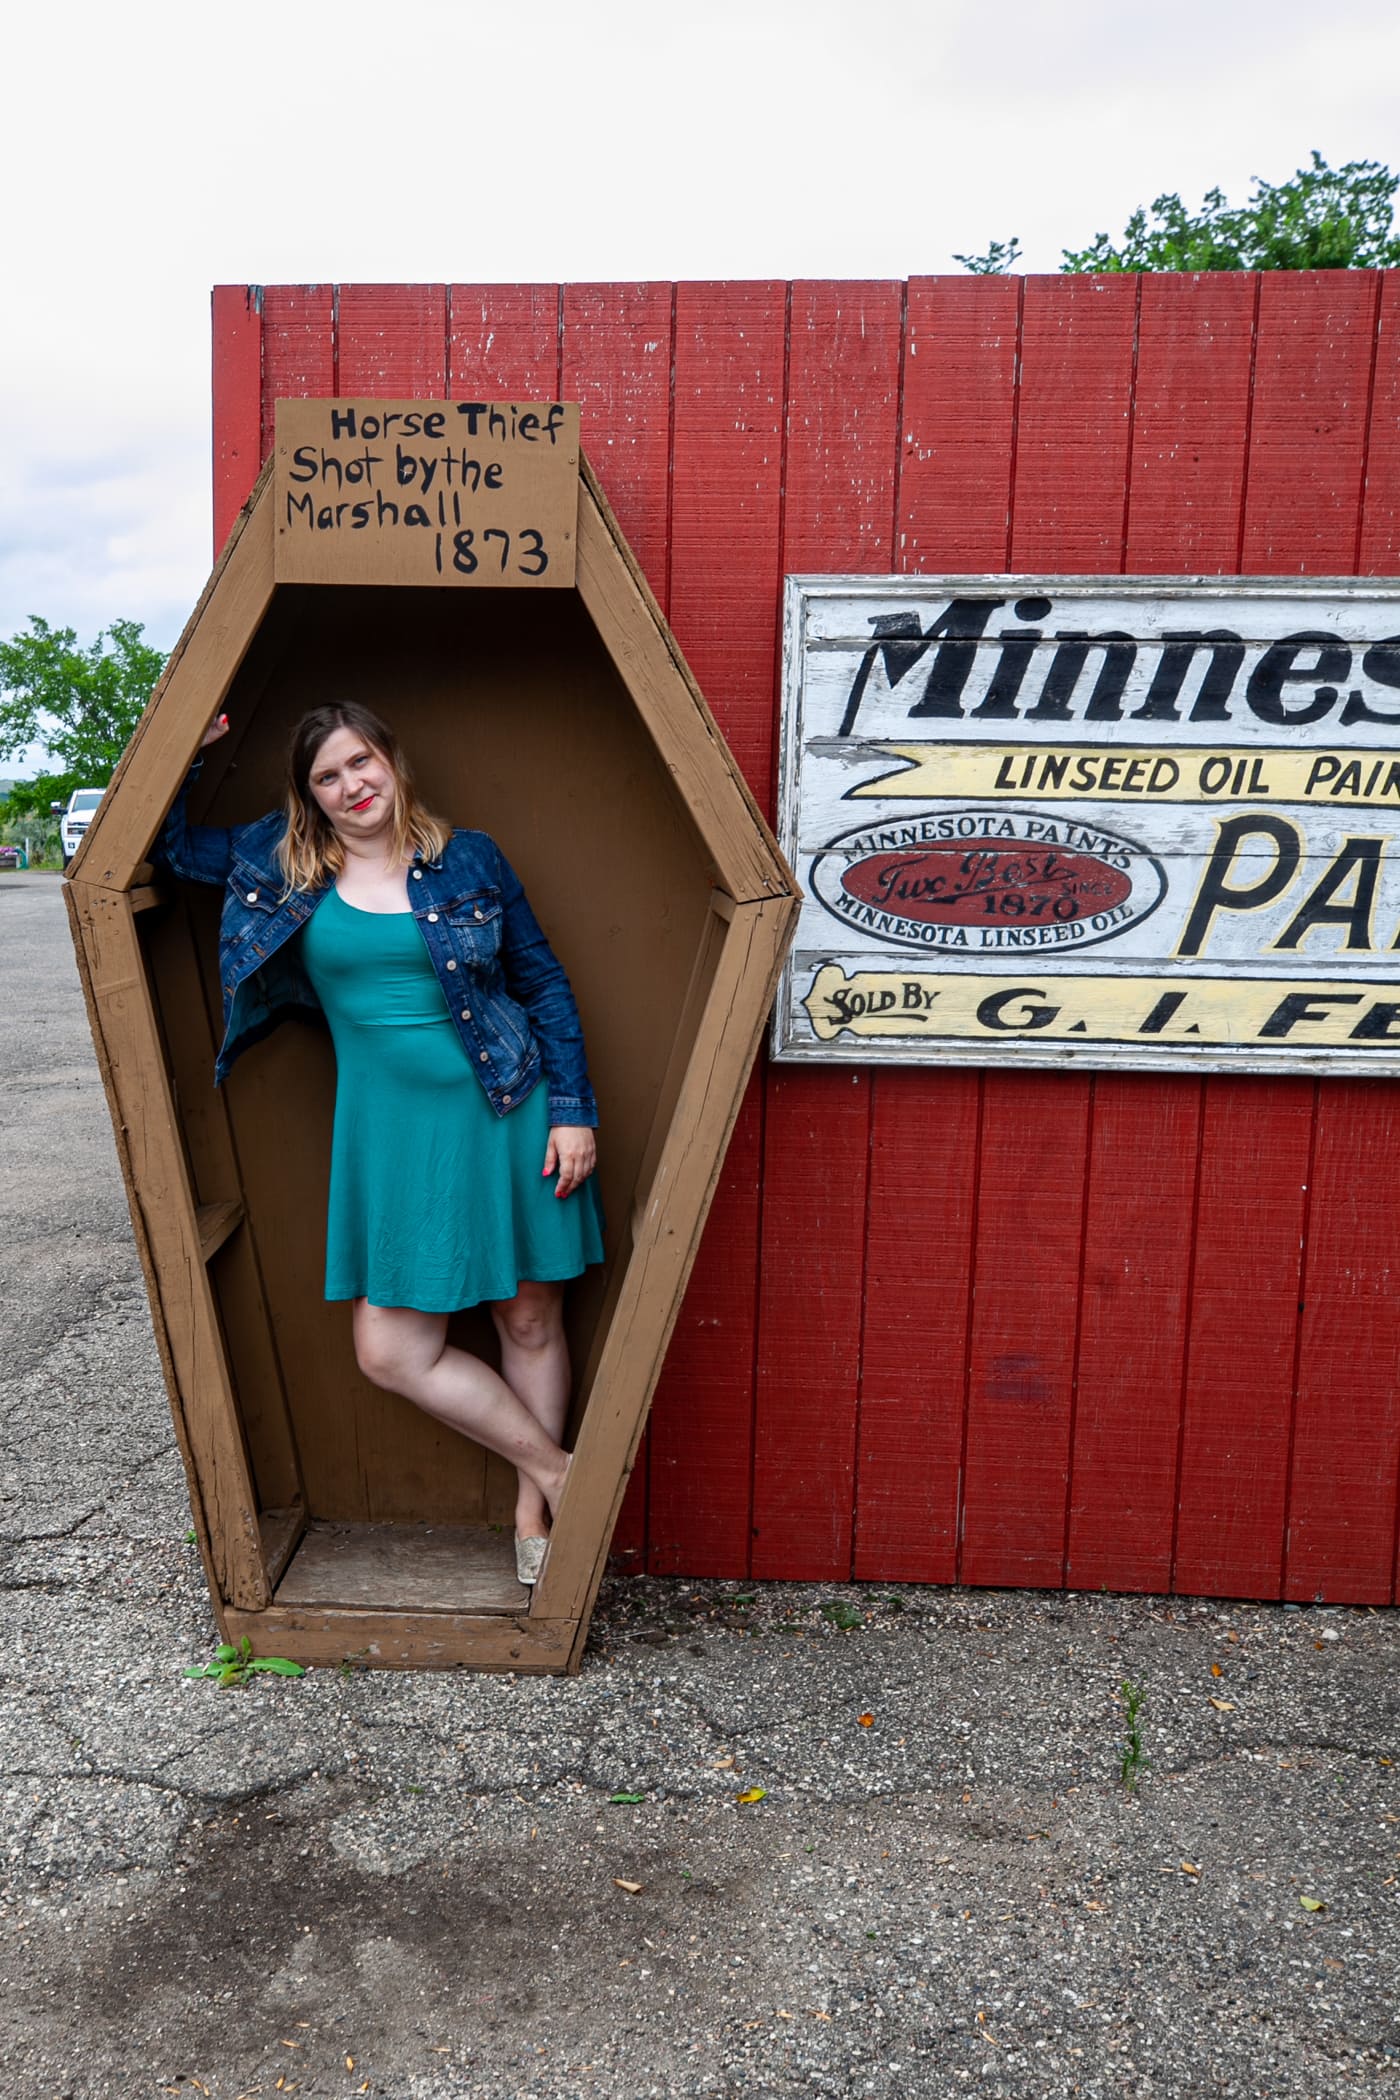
x: 842, y: 1615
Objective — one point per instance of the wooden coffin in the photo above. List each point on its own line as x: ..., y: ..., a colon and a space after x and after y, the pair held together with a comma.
x: 337, y: 1520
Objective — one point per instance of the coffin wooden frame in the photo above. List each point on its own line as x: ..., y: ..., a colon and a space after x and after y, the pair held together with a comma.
x: 245, y: 1549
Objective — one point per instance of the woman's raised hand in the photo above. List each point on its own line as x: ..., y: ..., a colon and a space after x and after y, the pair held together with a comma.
x: 217, y: 728
x: 573, y: 1149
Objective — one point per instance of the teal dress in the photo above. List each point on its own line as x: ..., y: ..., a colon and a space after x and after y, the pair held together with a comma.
x: 436, y: 1202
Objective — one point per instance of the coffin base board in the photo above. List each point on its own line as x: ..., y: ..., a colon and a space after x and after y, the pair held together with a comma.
x: 404, y: 1568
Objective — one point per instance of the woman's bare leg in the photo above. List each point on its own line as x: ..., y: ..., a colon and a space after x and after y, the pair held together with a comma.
x: 535, y: 1365
x: 406, y: 1352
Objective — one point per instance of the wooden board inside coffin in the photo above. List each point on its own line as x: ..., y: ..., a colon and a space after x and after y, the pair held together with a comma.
x: 516, y: 723
x: 405, y: 1568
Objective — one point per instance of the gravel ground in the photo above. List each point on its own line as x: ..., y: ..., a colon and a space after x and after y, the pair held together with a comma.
x: 419, y: 1886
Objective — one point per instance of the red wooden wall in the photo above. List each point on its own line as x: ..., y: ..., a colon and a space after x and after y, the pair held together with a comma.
x: 1108, y: 1331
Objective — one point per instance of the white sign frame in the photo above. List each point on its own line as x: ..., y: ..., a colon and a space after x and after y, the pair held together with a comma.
x: 1179, y: 979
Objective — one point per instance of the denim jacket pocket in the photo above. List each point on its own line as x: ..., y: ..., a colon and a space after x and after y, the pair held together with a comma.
x: 255, y: 921
x: 474, y: 925
x: 255, y: 897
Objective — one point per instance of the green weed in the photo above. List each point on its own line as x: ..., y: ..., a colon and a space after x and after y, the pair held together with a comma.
x: 1133, y: 1759
x: 232, y: 1667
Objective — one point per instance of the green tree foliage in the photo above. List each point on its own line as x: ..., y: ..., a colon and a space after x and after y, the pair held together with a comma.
x: 1321, y: 219
x: 80, y: 703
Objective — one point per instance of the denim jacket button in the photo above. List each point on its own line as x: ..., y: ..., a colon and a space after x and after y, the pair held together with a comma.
x: 418, y: 874
x: 480, y: 914
x: 252, y: 896
x: 483, y: 1057
x: 432, y: 918
x: 505, y: 1100
x: 466, y: 1016
x: 450, y: 964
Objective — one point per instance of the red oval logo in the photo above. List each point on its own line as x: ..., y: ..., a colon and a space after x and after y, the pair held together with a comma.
x: 984, y: 878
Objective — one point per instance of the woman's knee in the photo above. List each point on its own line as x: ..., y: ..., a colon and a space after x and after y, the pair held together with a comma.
x: 393, y: 1352
x: 381, y: 1362
x: 533, y: 1318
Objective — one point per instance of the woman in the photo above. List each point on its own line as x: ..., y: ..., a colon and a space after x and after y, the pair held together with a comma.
x: 462, y: 1091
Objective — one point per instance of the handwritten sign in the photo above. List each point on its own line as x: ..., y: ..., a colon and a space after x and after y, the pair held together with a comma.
x: 1094, y: 821
x: 481, y: 493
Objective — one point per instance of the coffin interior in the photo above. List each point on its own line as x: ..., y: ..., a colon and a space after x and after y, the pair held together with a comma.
x: 516, y: 723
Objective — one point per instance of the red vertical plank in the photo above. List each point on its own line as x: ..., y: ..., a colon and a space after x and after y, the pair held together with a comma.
x: 700, y: 1435
x: 922, y: 1206
x: 842, y: 436
x: 616, y: 363
x: 726, y: 513
x: 726, y: 507
x: 959, y: 380
x: 1346, y: 1443
x: 1067, y: 508
x: 1072, y: 425
x: 845, y: 342
x: 1030, y: 1212
x: 959, y: 403
x: 1312, y: 385
x: 1189, y: 425
x: 298, y: 348
x: 816, y: 1141
x: 1378, y: 552
x: 617, y: 366
x: 1255, y: 1147
x: 237, y: 333
x: 503, y: 342
x: 392, y: 341
x: 1134, y: 1302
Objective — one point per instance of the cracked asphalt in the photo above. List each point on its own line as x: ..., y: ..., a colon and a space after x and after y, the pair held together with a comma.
x: 419, y: 1886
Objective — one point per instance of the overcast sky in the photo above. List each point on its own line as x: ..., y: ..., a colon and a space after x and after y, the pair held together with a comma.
x: 153, y: 150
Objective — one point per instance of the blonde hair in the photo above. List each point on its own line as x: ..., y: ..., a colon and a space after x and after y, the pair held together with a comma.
x: 310, y: 854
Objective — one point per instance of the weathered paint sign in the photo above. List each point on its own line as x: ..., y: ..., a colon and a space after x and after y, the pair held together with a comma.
x: 427, y: 492
x: 1093, y: 820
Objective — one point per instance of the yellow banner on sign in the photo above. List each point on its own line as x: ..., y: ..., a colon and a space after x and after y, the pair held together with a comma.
x: 917, y: 1007
x: 1123, y: 772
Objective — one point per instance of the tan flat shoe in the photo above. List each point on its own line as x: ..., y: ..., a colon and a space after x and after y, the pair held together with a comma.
x: 529, y: 1559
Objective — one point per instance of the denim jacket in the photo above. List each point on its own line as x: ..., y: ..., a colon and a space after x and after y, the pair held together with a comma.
x: 505, y: 989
